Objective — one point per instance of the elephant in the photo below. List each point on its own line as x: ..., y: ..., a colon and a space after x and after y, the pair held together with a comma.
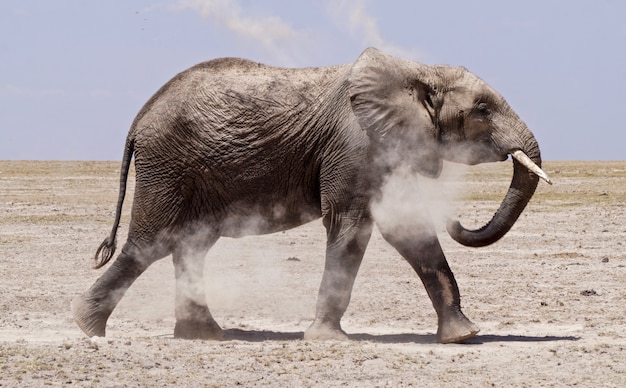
x: 231, y: 147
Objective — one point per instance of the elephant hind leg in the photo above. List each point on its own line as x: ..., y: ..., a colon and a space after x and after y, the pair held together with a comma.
x: 92, y: 309
x: 89, y: 316
x: 343, y: 258
x: 193, y: 318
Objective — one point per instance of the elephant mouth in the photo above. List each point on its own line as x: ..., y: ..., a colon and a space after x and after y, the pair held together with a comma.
x: 473, y: 153
x: 525, y: 161
x: 486, y: 154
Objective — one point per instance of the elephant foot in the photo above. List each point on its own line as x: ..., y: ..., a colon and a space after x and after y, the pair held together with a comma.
x: 89, y: 316
x: 325, y: 332
x: 194, y: 329
x: 456, y: 328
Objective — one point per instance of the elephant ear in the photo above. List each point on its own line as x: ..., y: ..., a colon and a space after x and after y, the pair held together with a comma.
x: 396, y: 107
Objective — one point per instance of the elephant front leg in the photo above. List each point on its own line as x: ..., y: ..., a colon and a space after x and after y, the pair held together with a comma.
x: 423, y: 251
x: 193, y: 318
x: 438, y: 279
x: 343, y: 259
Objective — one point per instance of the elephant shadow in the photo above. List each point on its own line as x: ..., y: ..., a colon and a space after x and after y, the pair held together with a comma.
x: 400, y: 338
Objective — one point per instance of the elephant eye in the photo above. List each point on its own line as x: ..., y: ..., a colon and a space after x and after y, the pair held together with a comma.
x: 483, y: 108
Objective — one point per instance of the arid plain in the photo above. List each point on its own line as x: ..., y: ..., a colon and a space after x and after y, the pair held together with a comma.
x: 550, y: 297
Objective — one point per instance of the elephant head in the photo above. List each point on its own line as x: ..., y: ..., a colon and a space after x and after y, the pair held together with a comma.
x: 426, y: 114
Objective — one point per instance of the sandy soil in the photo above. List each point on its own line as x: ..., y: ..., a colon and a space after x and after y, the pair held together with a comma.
x: 549, y: 297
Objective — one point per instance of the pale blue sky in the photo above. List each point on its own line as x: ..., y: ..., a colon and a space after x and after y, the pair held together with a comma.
x: 73, y: 73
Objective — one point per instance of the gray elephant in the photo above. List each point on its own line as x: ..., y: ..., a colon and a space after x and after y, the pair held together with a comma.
x: 232, y: 147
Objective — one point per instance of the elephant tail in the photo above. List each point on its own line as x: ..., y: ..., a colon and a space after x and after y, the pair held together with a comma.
x: 107, y: 248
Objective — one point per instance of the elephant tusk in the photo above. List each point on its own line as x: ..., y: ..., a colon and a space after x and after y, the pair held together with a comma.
x: 521, y: 157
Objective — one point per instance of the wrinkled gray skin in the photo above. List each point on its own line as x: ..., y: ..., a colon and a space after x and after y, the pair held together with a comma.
x: 232, y: 147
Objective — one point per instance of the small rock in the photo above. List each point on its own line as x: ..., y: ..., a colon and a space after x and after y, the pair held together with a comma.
x: 293, y: 258
x: 605, y: 260
x: 590, y: 292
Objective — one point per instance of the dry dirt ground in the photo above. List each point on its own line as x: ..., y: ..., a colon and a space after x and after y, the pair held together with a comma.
x: 549, y: 297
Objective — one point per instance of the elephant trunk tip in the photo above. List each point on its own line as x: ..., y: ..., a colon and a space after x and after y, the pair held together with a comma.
x: 472, y: 239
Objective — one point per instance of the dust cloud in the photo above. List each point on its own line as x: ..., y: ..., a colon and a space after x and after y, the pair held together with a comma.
x: 244, y: 277
x: 269, y: 33
x: 409, y: 200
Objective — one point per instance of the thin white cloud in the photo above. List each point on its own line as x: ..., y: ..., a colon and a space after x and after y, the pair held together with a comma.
x: 364, y: 27
x: 282, y: 44
x: 272, y: 35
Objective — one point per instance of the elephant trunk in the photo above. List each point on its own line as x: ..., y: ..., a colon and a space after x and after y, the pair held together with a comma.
x: 526, y: 173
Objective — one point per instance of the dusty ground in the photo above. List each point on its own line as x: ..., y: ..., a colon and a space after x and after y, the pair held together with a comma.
x: 549, y: 297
